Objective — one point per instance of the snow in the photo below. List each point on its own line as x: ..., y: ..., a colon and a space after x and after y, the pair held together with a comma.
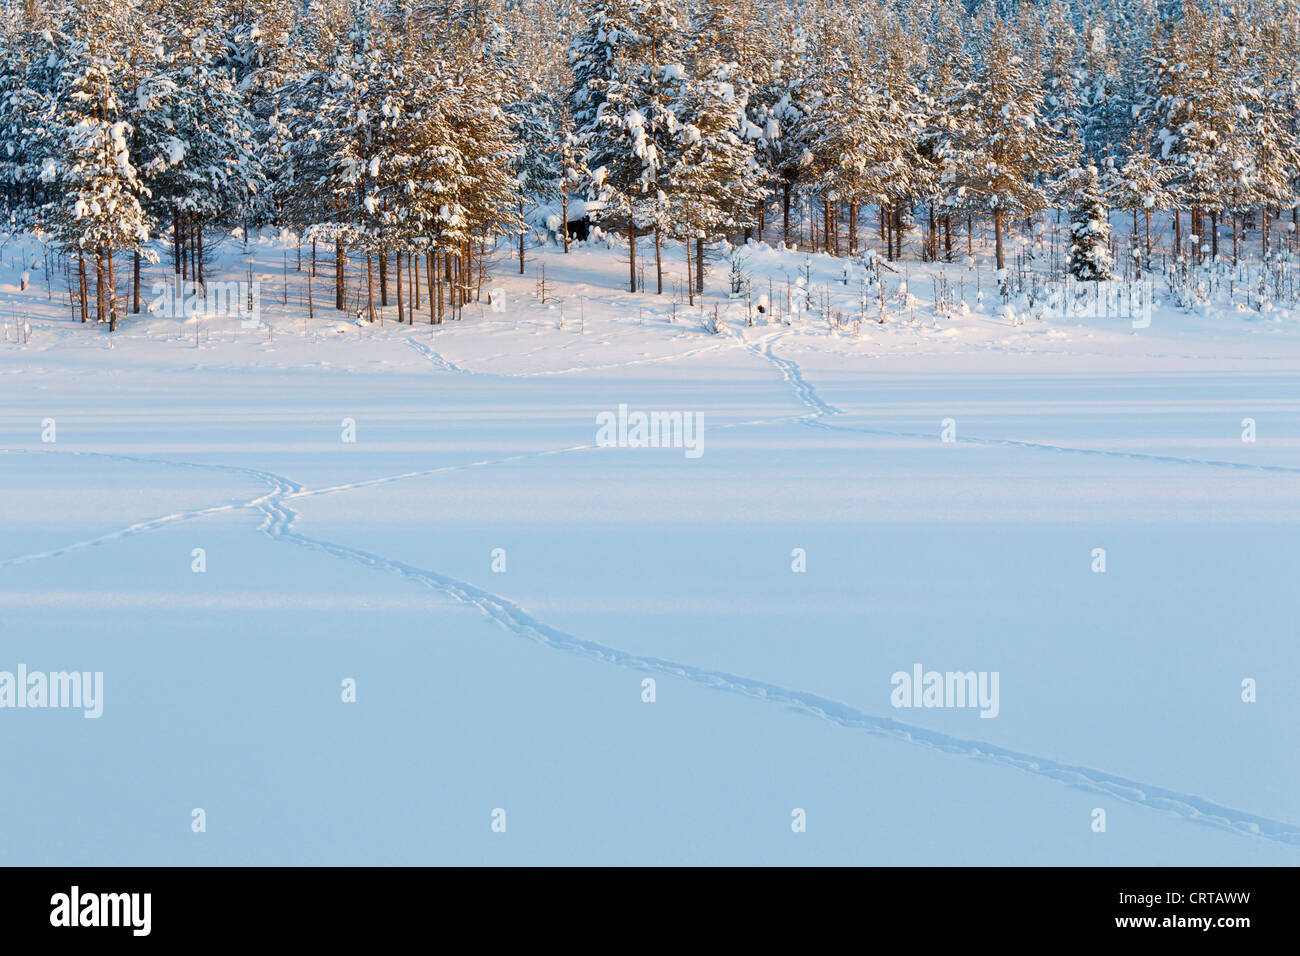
x: 372, y: 560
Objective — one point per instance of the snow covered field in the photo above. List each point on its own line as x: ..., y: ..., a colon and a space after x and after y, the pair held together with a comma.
x: 512, y: 679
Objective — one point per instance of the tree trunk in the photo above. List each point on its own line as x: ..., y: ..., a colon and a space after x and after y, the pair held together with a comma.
x: 997, y: 237
x: 785, y: 212
x: 370, y: 284
x: 437, y: 285
x: 631, y: 258
x: 99, y: 284
x: 383, y: 277
x: 198, y: 251
x: 449, y: 297
x: 81, y: 274
x: 401, y: 318
x: 690, y: 283
x: 659, y: 263
x: 699, y: 265
x: 428, y: 276
x: 112, y: 294
x: 564, y: 214
x: 521, y: 239
x: 340, y: 296
x: 853, y: 228
x: 413, y: 263
x: 135, y: 283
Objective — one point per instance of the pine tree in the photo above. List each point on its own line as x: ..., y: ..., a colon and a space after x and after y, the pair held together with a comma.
x: 1008, y: 149
x: 1090, y: 255
x: 91, y: 192
x: 630, y: 135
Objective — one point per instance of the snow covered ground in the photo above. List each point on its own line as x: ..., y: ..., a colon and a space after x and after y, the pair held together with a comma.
x: 522, y: 690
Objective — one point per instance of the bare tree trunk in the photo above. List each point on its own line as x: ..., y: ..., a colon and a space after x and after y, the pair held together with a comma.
x: 690, y: 284
x: 340, y: 293
x: 564, y: 214
x: 449, y: 296
x: 413, y: 262
x: 383, y: 277
x: 453, y: 290
x: 631, y: 257
x: 785, y: 212
x: 198, y: 250
x: 112, y: 294
x: 997, y: 237
x: 370, y: 284
x: 521, y: 239
x: 437, y: 285
x: 659, y: 263
x: 135, y: 282
x: 699, y: 264
x: 428, y: 277
x: 853, y: 228
x: 99, y: 284
x: 398, y: 279
x: 81, y: 274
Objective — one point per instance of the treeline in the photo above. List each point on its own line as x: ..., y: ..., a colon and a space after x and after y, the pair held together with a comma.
x: 414, y: 132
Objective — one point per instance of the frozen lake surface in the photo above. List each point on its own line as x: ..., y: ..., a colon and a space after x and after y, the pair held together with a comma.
x: 499, y: 586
